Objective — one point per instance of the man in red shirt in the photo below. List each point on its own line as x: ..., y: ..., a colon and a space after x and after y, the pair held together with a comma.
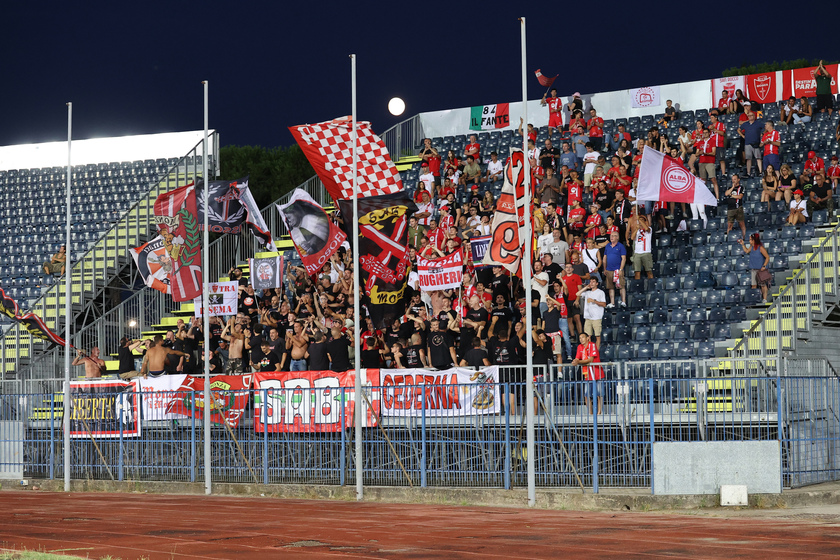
x: 718, y: 130
x: 577, y: 218
x: 436, y: 235
x: 446, y: 219
x: 813, y: 164
x: 770, y: 141
x: 707, y: 152
x: 833, y: 172
x: 696, y: 139
x: 723, y: 103
x: 555, y: 111
x: 593, y: 221
x: 473, y: 149
x: 571, y: 284
x: 587, y: 353
x: 595, y: 124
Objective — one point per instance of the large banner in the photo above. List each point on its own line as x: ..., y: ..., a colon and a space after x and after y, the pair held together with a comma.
x: 729, y: 84
x: 153, y: 263
x: 156, y: 394
x: 490, y: 117
x: 509, y: 234
x: 645, y: 97
x: 451, y: 392
x: 442, y: 273
x: 666, y: 179
x: 103, y: 409
x: 765, y: 87
x: 802, y: 82
x: 231, y: 205
x: 383, y: 236
x: 177, y: 222
x: 229, y: 394
x: 310, y: 401
x: 266, y: 273
x: 31, y: 322
x: 223, y: 299
x: 315, y: 237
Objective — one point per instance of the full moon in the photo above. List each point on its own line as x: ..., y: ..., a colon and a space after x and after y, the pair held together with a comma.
x: 396, y: 106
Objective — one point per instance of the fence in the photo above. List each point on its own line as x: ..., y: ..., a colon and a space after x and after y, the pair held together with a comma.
x: 404, y: 139
x: 796, y: 405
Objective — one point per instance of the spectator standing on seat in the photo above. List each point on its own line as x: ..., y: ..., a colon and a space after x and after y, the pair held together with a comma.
x: 56, y: 264
x: 825, y: 101
x: 770, y: 142
x: 821, y: 196
x: 750, y: 131
x: 615, y: 258
x: 735, y: 202
x: 593, y: 301
x: 555, y: 111
x: 759, y: 260
x: 798, y: 210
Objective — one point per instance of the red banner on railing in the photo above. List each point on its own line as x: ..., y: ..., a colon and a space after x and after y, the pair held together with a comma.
x: 229, y: 394
x: 311, y: 401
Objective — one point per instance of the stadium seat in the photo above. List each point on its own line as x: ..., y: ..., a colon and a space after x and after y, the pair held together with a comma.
x: 661, y: 332
x: 665, y: 350
x: 706, y: 350
x: 685, y: 350
x: 644, y: 351
x: 642, y: 334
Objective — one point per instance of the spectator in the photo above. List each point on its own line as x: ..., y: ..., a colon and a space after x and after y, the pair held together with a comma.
x: 556, y: 324
x: 571, y: 283
x: 642, y: 236
x: 473, y: 149
x: 297, y: 343
x: 825, y: 101
x: 579, y: 140
x: 587, y: 353
x: 789, y: 113
x: 770, y: 187
x: 544, y: 240
x: 684, y: 139
x: 265, y: 359
x: 593, y: 302
x: 723, y: 102
x: 452, y: 164
x: 735, y: 202
x: 696, y: 141
x: 549, y: 189
x: 503, y: 351
x: 615, y: 258
x: 472, y: 172
x: 575, y: 104
x: 495, y: 170
x: 316, y: 354
x: 94, y: 365
x: 787, y: 182
x: 833, y: 172
x: 568, y: 157
x: 821, y: 196
x: 532, y: 132
x: 56, y: 264
x: 736, y: 104
x: 595, y: 126
x: 425, y: 210
x: 759, y: 260
x: 670, y: 113
x: 476, y: 357
x: 798, y: 210
x: 718, y: 131
x: 707, y: 158
x: 591, y: 257
x: 770, y: 142
x: 590, y: 161
x: 549, y: 156
x: 555, y: 111
x: 615, y: 139
x: 338, y: 349
x: 750, y: 132
x: 813, y: 164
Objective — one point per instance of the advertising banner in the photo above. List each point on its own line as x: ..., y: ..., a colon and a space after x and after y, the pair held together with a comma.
x: 99, y: 408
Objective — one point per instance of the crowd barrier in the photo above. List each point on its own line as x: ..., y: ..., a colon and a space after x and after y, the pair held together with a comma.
x: 425, y: 432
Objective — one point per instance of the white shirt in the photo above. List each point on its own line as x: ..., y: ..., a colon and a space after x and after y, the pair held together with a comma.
x: 592, y: 310
x: 425, y: 207
x: 484, y: 229
x: 543, y: 241
x: 643, y: 239
x: 591, y: 161
x: 802, y: 206
x: 428, y: 180
x: 495, y: 167
x: 543, y: 290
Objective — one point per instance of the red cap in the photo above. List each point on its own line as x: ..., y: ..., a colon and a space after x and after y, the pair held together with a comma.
x: 424, y: 164
x: 797, y: 191
x: 811, y: 154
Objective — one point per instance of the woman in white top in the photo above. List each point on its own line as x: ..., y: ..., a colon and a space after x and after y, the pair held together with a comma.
x: 591, y: 257
x: 798, y: 209
x: 685, y: 143
x: 544, y: 240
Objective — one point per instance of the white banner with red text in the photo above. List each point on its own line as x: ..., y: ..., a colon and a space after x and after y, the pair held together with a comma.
x: 442, y: 273
x: 155, y: 395
x: 450, y: 392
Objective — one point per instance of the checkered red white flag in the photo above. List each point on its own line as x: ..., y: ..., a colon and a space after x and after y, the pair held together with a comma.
x: 329, y: 148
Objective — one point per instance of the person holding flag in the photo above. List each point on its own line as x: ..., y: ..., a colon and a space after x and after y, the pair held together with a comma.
x: 555, y: 111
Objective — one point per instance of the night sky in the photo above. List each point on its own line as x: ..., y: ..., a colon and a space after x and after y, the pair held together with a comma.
x: 136, y: 68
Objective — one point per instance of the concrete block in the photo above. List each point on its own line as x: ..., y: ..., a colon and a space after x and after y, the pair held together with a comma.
x: 733, y: 495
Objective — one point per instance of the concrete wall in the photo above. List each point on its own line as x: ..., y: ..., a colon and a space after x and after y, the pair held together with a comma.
x: 702, y: 467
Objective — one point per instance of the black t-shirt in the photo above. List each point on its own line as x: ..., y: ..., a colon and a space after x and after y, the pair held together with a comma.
x: 411, y: 357
x: 339, y: 351
x: 549, y: 157
x: 544, y: 355
x: 500, y: 285
x: 318, y: 360
x: 439, y: 344
x: 477, y: 316
x: 604, y: 199
x: 391, y: 337
x: 504, y: 315
x: 503, y: 353
x: 553, y: 270
x: 370, y: 358
x: 263, y: 361
x: 126, y: 360
x: 248, y: 304
x: 475, y: 357
x: 821, y: 192
x: 551, y: 320
x: 735, y: 203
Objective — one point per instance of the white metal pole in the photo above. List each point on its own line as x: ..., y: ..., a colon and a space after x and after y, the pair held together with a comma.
x: 205, y: 275
x: 526, y: 284
x: 68, y: 320
x: 357, y: 350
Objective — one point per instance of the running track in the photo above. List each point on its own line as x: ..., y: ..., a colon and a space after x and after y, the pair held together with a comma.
x: 155, y: 526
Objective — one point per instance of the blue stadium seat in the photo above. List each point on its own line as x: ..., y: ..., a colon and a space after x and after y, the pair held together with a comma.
x: 685, y: 350
x: 716, y: 315
x: 624, y: 353
x: 657, y: 299
x: 721, y: 332
x: 706, y: 350
x: 714, y: 297
x: 728, y: 280
x: 681, y: 332
x: 737, y: 314
x: 665, y: 350
x: 640, y: 317
x: 673, y: 299
x: 700, y: 332
x: 693, y: 298
x: 679, y: 316
x: 661, y: 332
x: 642, y: 334
x: 644, y: 351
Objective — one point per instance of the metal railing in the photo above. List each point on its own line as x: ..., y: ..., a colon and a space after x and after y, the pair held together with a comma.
x: 404, y: 139
x: 791, y: 314
x: 797, y: 405
x: 92, y: 272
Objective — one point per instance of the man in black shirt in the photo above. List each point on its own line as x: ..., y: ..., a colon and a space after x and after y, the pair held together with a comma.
x: 414, y: 355
x: 549, y: 156
x: 476, y: 356
x: 499, y: 283
x: 338, y: 351
x: 248, y: 303
x: 550, y: 267
x: 474, y: 324
x: 503, y: 352
x: 441, y: 351
x: 500, y: 317
x: 317, y: 353
x: 821, y: 196
x: 264, y: 359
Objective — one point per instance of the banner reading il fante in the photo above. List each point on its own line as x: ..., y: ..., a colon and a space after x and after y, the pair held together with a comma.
x: 229, y: 394
x: 223, y: 299
x: 99, y: 408
x: 311, y: 401
x: 442, y: 273
x: 451, y: 392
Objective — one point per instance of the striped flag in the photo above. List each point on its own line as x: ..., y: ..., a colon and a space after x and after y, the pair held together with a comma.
x: 490, y: 117
x: 509, y: 234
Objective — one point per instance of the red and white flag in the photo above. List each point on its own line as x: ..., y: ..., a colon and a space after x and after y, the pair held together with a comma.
x: 315, y: 236
x: 329, y: 148
x: 545, y: 81
x: 509, y: 232
x: 442, y: 273
x: 176, y: 216
x: 666, y: 179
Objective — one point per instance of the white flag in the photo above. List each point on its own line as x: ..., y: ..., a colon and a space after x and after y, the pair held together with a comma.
x: 666, y: 179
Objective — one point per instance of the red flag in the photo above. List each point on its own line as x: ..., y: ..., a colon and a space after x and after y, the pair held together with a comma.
x: 177, y: 219
x: 764, y: 87
x: 666, y: 179
x: 544, y: 80
x: 228, y: 394
x: 329, y: 148
x: 315, y: 237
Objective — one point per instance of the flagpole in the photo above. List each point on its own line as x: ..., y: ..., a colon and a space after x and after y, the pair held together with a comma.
x: 357, y: 350
x: 526, y: 282
x: 205, y: 295
x: 68, y: 274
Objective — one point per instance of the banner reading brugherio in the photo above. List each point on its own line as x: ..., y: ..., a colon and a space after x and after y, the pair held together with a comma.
x: 440, y: 274
x: 229, y: 394
x: 451, y: 392
x: 98, y: 408
x: 310, y: 401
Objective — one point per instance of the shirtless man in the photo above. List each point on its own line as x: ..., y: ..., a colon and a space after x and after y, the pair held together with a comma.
x: 93, y: 365
x: 297, y: 342
x: 235, y: 337
x: 56, y: 263
x: 154, y: 363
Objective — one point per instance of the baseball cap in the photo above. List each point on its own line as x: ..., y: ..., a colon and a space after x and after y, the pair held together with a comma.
x: 445, y: 207
x: 747, y: 103
x: 811, y: 154
x: 797, y: 191
x: 424, y: 164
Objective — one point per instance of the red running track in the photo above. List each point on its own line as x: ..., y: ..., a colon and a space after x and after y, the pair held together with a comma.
x: 155, y: 526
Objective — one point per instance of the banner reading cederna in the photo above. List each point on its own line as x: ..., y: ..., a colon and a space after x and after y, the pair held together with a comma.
x: 451, y: 392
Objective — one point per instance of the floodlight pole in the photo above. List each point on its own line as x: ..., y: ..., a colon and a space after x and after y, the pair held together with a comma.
x: 357, y: 351
x: 208, y: 482
x: 526, y: 284
x: 68, y: 274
